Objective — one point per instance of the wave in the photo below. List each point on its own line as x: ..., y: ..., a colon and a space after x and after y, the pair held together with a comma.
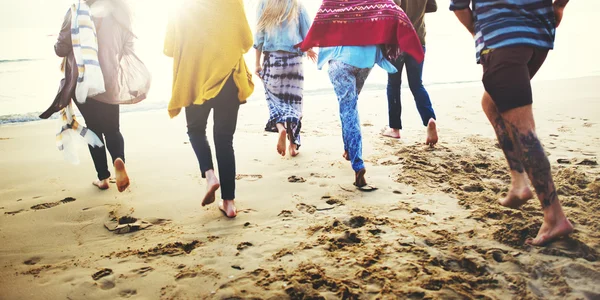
x: 2, y: 61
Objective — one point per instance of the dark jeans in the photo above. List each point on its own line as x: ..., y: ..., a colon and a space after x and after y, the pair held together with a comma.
x: 103, y: 120
x: 414, y: 72
x: 225, y: 106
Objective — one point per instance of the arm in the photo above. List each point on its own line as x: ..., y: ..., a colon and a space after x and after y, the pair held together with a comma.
x: 63, y: 46
x: 463, y: 12
x: 465, y: 16
x: 305, y: 24
x: 559, y: 7
x: 258, y: 68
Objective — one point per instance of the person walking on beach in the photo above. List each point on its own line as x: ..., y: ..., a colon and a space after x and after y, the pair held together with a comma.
x: 415, y: 10
x: 352, y: 44
x: 207, y: 40
x: 281, y: 25
x: 124, y: 78
x: 513, y: 38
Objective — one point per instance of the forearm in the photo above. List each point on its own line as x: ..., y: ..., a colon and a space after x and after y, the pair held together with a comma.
x: 561, y: 3
x: 258, y: 56
x: 465, y: 16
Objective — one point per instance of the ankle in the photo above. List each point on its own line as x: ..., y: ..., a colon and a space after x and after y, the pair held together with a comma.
x: 554, y: 214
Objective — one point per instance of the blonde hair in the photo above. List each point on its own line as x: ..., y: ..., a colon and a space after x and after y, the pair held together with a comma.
x: 276, y: 12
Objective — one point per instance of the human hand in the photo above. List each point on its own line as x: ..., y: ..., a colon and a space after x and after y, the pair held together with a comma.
x: 559, y: 7
x: 258, y: 71
x: 312, y: 55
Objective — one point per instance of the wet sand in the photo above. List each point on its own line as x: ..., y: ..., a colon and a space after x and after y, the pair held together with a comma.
x: 434, y: 228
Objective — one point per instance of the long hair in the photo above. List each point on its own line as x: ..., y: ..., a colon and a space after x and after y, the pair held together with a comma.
x: 276, y: 12
x: 119, y: 9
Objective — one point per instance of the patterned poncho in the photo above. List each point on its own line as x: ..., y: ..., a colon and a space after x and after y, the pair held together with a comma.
x: 361, y: 23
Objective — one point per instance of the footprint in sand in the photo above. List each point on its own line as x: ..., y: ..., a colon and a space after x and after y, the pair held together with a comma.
x: 311, y: 209
x: 356, y: 222
x: 52, y: 204
x: 296, y: 179
x: 102, y: 273
x: 12, y: 213
x: 126, y: 224
x: 186, y: 274
x: 584, y: 278
x: 571, y: 248
x: 285, y: 214
x: 332, y: 201
x: 142, y: 271
x: 318, y: 175
x: 244, y: 246
x: 252, y: 177
x: 127, y: 293
x: 32, y: 261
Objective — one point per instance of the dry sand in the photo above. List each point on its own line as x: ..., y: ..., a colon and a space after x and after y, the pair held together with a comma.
x: 433, y: 230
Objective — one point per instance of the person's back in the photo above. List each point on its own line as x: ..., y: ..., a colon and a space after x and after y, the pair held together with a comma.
x: 288, y: 32
x: 207, y: 40
x: 115, y: 38
x: 502, y: 23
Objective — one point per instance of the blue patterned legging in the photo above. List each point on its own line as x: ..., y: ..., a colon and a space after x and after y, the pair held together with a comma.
x: 348, y: 81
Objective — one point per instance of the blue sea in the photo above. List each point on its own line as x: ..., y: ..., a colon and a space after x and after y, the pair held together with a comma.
x: 30, y: 73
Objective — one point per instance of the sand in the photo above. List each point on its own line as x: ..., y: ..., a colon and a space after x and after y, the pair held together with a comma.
x: 434, y: 228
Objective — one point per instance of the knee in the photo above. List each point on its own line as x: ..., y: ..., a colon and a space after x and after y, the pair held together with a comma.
x: 394, y: 80
x: 415, y: 85
x: 223, y: 139
x: 196, y: 130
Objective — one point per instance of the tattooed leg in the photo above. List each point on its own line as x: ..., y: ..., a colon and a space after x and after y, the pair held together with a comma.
x: 537, y: 165
x: 519, y: 192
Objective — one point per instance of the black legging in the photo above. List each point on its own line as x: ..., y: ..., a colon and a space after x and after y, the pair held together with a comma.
x: 225, y: 106
x: 103, y: 120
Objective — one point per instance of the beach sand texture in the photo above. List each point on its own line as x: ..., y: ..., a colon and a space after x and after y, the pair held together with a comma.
x: 434, y: 228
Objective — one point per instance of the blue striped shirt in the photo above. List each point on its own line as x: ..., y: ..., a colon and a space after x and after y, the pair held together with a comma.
x: 503, y: 23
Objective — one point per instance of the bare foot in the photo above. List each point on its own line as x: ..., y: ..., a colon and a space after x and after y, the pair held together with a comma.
x: 432, y: 136
x: 213, y: 186
x: 101, y: 184
x: 294, y: 150
x: 391, y: 132
x: 551, y: 232
x: 517, y: 197
x: 121, y: 175
x: 281, y: 143
x: 228, y: 208
x: 346, y: 156
x: 360, y: 180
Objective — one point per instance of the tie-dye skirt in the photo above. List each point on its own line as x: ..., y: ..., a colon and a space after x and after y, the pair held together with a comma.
x: 283, y: 78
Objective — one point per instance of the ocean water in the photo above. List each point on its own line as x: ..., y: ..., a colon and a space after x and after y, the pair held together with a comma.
x: 29, y: 70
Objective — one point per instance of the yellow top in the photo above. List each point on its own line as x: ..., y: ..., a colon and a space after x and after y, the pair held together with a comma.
x: 207, y: 40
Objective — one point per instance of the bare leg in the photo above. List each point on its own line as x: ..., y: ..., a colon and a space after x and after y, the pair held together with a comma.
x: 519, y: 192
x: 101, y: 184
x: 212, y: 186
x: 228, y: 208
x: 281, y: 140
x: 432, y: 136
x: 121, y: 175
x: 293, y: 148
x: 360, y: 180
x: 537, y: 165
